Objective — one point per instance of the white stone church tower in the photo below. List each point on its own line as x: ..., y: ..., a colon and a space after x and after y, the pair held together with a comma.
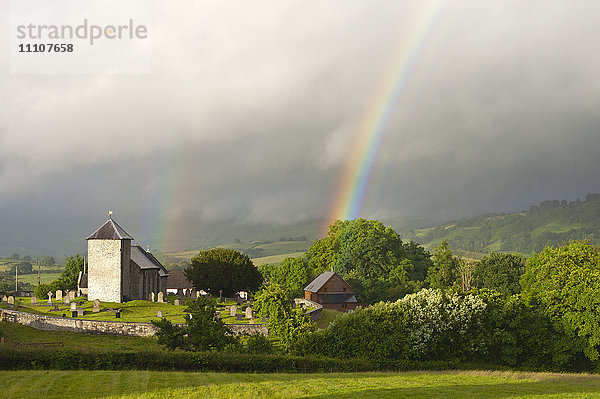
x: 117, y: 271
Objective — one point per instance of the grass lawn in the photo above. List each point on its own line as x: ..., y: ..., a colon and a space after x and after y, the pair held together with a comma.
x: 16, y: 332
x: 328, y: 317
x: 275, y: 258
x: 149, y: 384
x: 133, y: 311
x: 45, y: 277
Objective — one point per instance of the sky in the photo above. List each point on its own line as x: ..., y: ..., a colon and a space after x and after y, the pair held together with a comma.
x: 253, y: 111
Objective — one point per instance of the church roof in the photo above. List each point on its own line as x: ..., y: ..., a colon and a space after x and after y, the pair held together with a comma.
x: 319, y: 282
x: 144, y: 259
x: 110, y: 231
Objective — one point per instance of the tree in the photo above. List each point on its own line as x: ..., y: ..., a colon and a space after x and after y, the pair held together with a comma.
x: 204, y: 331
x: 285, y: 323
x: 444, y: 272
x: 42, y: 290
x: 500, y: 272
x: 223, y: 269
x: 47, y: 261
x: 27, y: 258
x: 68, y: 277
x: 373, y: 257
x: 566, y: 282
x: 293, y: 274
x: 14, y: 256
x: 24, y: 268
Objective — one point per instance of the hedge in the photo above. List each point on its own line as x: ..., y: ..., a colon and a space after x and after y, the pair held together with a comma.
x: 71, y: 359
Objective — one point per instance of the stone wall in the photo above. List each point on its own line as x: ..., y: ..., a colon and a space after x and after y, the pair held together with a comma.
x: 50, y: 323
x: 315, y: 314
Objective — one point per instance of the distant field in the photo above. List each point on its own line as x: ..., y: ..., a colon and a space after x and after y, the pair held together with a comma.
x: 45, y: 277
x: 256, y: 250
x: 275, y: 258
x: 173, y: 384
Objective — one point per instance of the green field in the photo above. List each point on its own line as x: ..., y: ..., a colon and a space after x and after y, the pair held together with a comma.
x: 16, y: 332
x: 149, y: 384
x: 258, y: 251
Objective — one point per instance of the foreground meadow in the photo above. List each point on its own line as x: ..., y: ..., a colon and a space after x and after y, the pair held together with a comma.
x: 147, y: 384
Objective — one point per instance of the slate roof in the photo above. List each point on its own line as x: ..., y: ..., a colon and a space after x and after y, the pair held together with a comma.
x: 110, y: 231
x: 178, y: 280
x: 320, y: 281
x: 145, y: 260
x: 338, y: 298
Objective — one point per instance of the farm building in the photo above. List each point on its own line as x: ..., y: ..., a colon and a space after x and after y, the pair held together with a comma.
x: 118, y: 271
x: 331, y: 291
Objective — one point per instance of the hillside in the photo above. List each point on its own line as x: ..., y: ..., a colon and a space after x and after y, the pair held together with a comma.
x: 549, y: 223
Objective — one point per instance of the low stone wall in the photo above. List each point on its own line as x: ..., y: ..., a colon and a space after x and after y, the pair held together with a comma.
x: 50, y: 323
x: 315, y: 314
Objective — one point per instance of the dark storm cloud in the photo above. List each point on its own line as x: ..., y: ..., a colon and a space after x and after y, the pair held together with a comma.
x: 251, y: 111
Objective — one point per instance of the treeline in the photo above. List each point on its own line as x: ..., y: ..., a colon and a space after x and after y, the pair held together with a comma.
x: 548, y: 224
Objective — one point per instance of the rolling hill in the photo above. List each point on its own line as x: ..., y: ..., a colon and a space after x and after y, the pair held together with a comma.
x: 546, y: 224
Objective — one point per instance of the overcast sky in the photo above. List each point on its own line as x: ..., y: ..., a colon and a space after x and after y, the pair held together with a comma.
x: 251, y: 108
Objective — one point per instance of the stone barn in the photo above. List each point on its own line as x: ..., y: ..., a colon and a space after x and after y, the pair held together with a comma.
x: 118, y: 271
x: 331, y: 291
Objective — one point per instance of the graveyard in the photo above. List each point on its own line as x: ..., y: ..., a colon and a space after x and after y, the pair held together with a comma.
x: 172, y: 308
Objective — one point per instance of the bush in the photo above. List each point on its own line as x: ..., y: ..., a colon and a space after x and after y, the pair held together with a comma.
x: 258, y: 343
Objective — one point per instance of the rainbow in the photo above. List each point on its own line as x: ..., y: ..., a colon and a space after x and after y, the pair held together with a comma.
x: 376, y: 120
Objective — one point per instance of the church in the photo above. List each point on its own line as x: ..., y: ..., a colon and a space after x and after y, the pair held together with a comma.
x: 118, y: 271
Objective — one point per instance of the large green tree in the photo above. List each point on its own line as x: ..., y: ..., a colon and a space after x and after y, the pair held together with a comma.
x: 293, y: 274
x: 444, y: 273
x: 566, y: 282
x: 68, y: 277
x: 500, y: 272
x: 223, y: 269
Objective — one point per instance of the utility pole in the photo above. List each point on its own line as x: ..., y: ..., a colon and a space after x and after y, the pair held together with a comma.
x: 16, y: 278
x: 39, y: 272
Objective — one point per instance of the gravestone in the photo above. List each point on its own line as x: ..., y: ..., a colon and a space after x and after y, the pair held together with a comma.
x: 79, y: 312
x: 73, y: 306
x: 50, y: 298
x: 176, y: 303
x: 197, y: 294
x: 249, y: 312
x: 4, y: 298
x: 33, y: 300
x: 238, y: 317
x: 11, y: 300
x: 67, y: 300
x: 218, y: 314
x: 118, y: 314
x: 161, y: 297
x: 73, y: 313
x: 72, y: 295
x: 96, y: 308
x: 159, y: 313
x: 59, y: 295
x: 251, y: 321
x: 232, y: 310
x: 152, y: 296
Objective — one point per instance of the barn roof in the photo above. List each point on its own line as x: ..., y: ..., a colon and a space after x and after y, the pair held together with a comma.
x: 110, y: 231
x: 320, y: 281
x: 178, y: 280
x: 338, y: 298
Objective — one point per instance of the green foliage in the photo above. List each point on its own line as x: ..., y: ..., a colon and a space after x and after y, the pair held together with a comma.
x: 292, y: 273
x: 444, y: 273
x: 206, y: 331
x: 14, y: 256
x: 500, y: 272
x: 69, y: 276
x: 47, y: 261
x: 259, y: 344
x: 566, y: 282
x: 372, y: 258
x: 285, y: 323
x: 24, y: 268
x: 41, y: 291
x: 168, y: 334
x: 223, y: 269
